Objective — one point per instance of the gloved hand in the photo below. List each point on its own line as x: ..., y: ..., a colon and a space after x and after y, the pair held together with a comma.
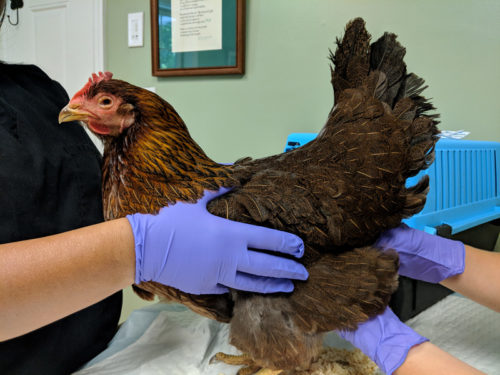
x: 424, y: 256
x: 186, y: 247
x: 385, y: 339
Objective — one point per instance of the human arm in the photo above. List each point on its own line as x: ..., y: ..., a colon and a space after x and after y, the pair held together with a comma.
x: 45, y: 279
x: 427, y: 358
x: 481, y: 278
x: 469, y: 271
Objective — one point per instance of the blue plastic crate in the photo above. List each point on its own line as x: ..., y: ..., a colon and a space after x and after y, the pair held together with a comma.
x: 464, y: 184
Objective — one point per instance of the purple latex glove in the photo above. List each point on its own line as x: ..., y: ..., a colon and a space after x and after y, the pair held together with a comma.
x: 424, y: 256
x: 385, y: 339
x: 186, y: 247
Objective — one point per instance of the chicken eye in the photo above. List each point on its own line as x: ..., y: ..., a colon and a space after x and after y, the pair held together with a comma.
x: 105, y: 101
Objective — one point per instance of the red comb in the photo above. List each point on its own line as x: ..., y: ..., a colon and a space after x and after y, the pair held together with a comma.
x: 100, y: 77
x: 95, y: 78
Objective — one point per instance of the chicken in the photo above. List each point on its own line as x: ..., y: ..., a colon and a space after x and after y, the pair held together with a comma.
x: 338, y: 193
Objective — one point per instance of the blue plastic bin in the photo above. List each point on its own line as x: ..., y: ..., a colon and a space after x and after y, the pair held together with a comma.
x: 295, y: 140
x: 464, y: 184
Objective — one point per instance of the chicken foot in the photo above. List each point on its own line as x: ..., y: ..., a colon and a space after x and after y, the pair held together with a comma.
x: 250, y: 368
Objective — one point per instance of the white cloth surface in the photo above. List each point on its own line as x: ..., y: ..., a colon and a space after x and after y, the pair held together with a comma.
x: 164, y: 339
x: 169, y: 339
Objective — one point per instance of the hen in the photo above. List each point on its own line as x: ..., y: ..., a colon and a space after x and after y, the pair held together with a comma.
x: 338, y: 193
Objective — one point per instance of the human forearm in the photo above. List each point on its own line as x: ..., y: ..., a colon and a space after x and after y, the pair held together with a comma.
x: 183, y: 246
x: 427, y: 358
x: 45, y: 279
x: 462, y: 268
x: 480, y: 279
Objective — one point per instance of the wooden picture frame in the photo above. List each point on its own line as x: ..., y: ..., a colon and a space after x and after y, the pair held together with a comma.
x: 168, y: 33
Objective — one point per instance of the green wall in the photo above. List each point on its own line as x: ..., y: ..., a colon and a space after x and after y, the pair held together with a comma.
x: 453, y: 44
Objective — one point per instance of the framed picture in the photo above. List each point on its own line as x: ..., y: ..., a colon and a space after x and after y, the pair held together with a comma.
x: 197, y: 37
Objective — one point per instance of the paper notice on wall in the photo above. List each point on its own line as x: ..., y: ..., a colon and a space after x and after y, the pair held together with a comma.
x: 196, y: 25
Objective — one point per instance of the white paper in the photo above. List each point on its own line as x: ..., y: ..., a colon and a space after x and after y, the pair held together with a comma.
x: 453, y: 134
x: 196, y: 25
x: 464, y: 329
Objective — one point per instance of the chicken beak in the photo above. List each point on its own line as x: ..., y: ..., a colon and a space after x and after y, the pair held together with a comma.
x: 72, y: 113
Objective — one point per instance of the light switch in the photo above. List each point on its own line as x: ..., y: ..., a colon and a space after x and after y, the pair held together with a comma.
x: 135, y: 29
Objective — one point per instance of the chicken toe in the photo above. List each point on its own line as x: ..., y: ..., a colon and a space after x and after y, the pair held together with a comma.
x: 250, y: 368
